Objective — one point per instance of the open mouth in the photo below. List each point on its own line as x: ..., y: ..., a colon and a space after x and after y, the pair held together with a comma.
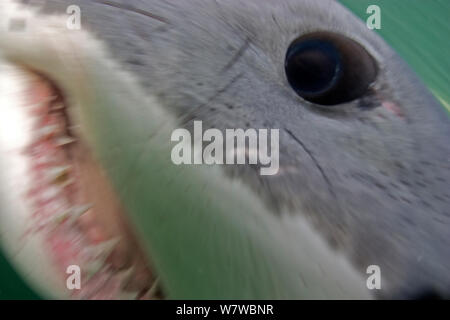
x: 71, y: 203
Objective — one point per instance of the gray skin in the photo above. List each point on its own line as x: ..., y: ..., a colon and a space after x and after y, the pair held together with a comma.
x: 373, y: 182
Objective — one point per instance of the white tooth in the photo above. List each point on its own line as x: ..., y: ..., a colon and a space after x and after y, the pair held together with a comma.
x: 63, y: 141
x: 78, y: 211
x: 37, y: 105
x: 153, y: 289
x: 41, y: 160
x: 109, y: 245
x: 98, y: 255
x: 59, y: 174
x: 57, y: 106
x: 92, y: 267
x: 72, y: 214
x: 49, y: 194
x: 125, y: 277
x: 59, y: 170
x: 60, y: 218
x: 104, y: 249
x: 66, y: 183
x: 126, y: 274
x: 47, y: 131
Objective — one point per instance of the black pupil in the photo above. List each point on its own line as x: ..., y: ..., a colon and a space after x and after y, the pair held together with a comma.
x: 329, y: 69
x: 312, y: 66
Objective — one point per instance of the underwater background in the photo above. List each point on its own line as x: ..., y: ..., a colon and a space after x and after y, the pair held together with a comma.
x: 420, y: 32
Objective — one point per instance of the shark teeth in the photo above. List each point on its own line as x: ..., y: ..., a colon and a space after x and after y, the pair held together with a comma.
x: 153, y: 289
x: 93, y: 267
x: 72, y: 214
x: 47, y: 131
x: 125, y: 277
x: 152, y: 293
x: 78, y: 211
x: 104, y: 249
x: 64, y: 141
x: 57, y: 106
x: 50, y: 194
x: 98, y: 255
x: 59, y: 174
x: 127, y: 293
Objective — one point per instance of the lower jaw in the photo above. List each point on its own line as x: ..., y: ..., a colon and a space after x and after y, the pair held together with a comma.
x: 70, y: 202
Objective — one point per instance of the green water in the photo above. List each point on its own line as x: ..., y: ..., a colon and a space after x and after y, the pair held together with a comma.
x: 420, y: 32
x: 418, y: 29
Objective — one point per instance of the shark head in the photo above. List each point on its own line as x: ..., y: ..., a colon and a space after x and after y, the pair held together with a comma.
x: 364, y: 162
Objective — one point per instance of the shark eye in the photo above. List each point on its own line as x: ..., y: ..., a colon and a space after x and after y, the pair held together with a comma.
x: 328, y: 68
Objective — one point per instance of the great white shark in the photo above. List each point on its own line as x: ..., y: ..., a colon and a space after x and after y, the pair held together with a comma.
x: 364, y: 153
